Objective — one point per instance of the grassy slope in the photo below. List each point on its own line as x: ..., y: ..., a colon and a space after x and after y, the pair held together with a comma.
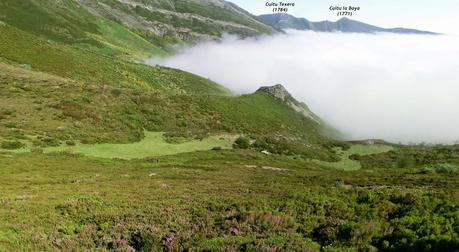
x: 89, y: 67
x: 218, y: 13
x: 37, y: 103
x: 48, y: 110
x: 122, y: 41
x: 271, y: 122
x: 238, y: 21
x: 67, y: 22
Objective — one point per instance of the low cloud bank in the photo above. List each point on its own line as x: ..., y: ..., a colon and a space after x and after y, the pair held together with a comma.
x: 387, y: 86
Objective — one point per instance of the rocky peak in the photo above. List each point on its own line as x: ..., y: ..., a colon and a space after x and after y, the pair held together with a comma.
x: 277, y: 91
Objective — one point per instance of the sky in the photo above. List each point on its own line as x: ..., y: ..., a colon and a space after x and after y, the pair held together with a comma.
x: 385, y: 86
x: 433, y: 15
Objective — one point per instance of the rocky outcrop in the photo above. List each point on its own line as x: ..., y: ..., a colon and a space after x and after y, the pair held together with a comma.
x: 188, y: 20
x: 279, y: 92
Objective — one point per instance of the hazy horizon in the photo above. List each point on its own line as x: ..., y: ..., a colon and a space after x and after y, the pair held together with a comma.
x: 436, y: 16
x: 387, y: 86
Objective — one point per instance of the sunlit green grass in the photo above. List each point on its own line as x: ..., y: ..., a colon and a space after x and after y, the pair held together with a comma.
x: 351, y: 165
x: 153, y: 144
x: 122, y: 40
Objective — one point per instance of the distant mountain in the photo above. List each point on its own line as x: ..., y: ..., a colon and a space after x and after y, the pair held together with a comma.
x: 286, y: 21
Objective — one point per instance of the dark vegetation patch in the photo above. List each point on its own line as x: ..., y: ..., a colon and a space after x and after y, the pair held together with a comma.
x: 413, y: 156
x: 11, y: 145
x: 242, y: 142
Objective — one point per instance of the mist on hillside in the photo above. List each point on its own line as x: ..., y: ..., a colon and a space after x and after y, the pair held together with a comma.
x: 401, y: 88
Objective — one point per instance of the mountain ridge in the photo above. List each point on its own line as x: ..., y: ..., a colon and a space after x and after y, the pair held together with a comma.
x: 286, y: 21
x: 186, y: 20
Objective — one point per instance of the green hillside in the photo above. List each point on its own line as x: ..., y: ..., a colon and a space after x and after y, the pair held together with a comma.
x: 68, y: 22
x: 34, y: 53
x: 72, y: 94
x: 77, y: 90
x: 45, y: 110
x: 181, y: 20
x: 131, y: 29
x: 100, y: 153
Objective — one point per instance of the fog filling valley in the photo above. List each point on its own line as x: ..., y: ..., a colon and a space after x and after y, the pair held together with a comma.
x: 401, y: 88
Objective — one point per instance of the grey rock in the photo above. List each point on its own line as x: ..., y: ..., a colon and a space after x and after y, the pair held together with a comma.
x: 279, y: 92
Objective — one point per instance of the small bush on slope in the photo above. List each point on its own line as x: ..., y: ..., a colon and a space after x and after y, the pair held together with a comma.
x: 11, y: 145
x: 242, y: 142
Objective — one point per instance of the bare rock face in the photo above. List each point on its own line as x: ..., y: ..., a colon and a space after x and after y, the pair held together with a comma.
x: 279, y: 92
x: 167, y: 18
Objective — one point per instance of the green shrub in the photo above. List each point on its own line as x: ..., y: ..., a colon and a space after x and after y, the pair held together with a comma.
x: 11, y: 125
x: 405, y: 161
x: 70, y: 142
x: 445, y: 168
x: 12, y: 145
x: 355, y: 157
x: 50, y: 141
x: 4, y: 113
x: 242, y: 143
x: 427, y: 170
x: 116, y: 92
